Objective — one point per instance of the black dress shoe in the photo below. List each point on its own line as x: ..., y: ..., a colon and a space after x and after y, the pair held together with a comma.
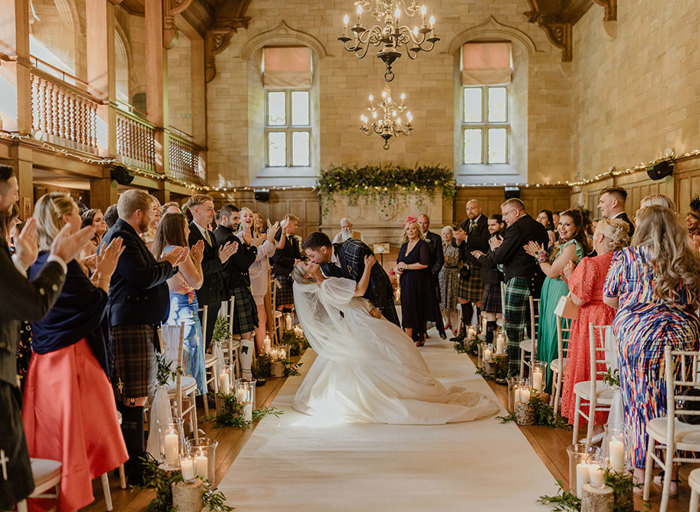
x: 443, y: 335
x: 459, y: 337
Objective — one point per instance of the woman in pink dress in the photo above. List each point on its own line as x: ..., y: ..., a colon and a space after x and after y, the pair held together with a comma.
x: 586, y: 285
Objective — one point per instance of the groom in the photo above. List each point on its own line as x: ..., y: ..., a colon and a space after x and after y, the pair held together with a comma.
x: 348, y: 260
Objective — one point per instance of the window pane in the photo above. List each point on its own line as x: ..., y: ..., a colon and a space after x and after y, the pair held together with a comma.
x: 498, y: 112
x: 276, y: 115
x: 472, y: 146
x: 300, y: 108
x: 300, y: 149
x: 277, y: 149
x: 472, y: 105
x: 498, y: 138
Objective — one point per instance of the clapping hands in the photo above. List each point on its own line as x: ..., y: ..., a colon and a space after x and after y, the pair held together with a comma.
x: 107, y: 259
x: 495, y: 242
x: 197, y: 252
x: 26, y: 247
x: 176, y: 256
x: 533, y: 248
x: 228, y: 250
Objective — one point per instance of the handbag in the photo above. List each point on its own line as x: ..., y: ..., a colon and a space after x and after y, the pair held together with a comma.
x: 683, y: 404
x: 566, y: 307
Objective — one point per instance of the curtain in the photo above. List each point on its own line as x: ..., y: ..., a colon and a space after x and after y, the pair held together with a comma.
x: 287, y: 67
x: 486, y: 63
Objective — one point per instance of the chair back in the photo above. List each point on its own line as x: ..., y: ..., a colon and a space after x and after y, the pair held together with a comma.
x: 563, y: 332
x: 172, y: 338
x: 231, y: 308
x: 503, y: 300
x: 597, y: 355
x: 203, y: 328
x: 681, y: 374
x: 273, y: 292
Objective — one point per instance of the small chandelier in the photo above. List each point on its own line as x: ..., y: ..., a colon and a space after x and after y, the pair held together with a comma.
x: 389, y: 34
x: 384, y: 119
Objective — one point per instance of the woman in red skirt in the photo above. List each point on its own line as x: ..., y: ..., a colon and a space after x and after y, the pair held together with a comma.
x: 69, y: 412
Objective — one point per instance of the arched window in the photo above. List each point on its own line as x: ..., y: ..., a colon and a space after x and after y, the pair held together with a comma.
x: 54, y: 37
x: 121, y: 68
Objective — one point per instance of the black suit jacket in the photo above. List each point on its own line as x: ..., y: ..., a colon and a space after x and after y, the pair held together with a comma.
x: 235, y: 271
x: 516, y: 262
x: 213, y: 289
x: 22, y: 300
x: 623, y: 216
x: 477, y: 239
x: 351, y: 256
x: 437, y: 257
x: 283, y: 259
x: 138, y: 292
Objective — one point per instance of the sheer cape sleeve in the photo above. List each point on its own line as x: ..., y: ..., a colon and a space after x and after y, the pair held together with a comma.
x: 338, y: 290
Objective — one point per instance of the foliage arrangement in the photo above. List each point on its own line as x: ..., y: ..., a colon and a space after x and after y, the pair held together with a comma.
x: 297, y: 344
x: 221, y: 330
x: 563, y: 501
x: 162, y: 481
x: 468, y: 346
x: 544, y: 413
x: 384, y: 184
x: 290, y: 368
x: 165, y: 373
x: 613, y: 377
x: 231, y: 413
x: 263, y: 366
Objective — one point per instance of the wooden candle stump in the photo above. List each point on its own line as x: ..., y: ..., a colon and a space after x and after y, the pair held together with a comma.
x: 277, y: 369
x: 524, y: 413
x: 597, y: 499
x: 188, y: 497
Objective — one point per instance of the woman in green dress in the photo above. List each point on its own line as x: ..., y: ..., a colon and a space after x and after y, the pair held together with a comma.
x: 572, y: 247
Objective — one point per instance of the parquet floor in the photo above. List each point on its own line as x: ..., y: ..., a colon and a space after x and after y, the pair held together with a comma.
x: 549, y: 444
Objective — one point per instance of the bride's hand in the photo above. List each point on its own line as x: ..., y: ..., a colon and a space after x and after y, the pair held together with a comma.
x: 370, y: 260
x: 313, y: 271
x: 376, y: 313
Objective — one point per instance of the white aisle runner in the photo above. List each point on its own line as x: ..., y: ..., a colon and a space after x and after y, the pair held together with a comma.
x: 290, y: 464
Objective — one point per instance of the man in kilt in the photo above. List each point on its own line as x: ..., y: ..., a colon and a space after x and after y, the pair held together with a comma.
x: 138, y: 303
x: 472, y: 235
x: 237, y: 282
x: 521, y: 272
x: 287, y: 254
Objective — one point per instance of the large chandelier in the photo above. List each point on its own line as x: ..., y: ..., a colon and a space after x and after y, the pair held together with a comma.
x: 384, y: 119
x: 388, y: 33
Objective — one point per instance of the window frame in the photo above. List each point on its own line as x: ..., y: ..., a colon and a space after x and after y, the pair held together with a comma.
x: 288, y: 128
x: 484, y: 125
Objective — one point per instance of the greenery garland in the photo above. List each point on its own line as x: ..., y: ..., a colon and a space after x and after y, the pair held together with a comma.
x: 544, y: 413
x: 231, y: 413
x: 384, y: 184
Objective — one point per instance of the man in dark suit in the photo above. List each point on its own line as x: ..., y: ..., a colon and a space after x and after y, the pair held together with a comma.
x: 138, y: 303
x: 612, y: 205
x: 522, y: 274
x: 287, y: 254
x: 24, y: 300
x: 348, y: 260
x: 213, y: 289
x: 437, y: 260
x: 476, y: 238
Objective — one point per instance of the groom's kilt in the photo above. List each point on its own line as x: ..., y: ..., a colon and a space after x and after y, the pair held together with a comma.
x: 285, y: 293
x: 471, y: 288
x: 245, y: 312
x: 135, y: 360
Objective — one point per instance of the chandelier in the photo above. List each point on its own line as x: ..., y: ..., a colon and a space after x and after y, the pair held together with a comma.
x: 388, y: 33
x: 384, y: 119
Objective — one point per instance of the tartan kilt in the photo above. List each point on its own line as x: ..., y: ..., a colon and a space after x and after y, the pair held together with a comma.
x: 285, y: 294
x: 245, y: 312
x: 135, y: 360
x: 491, y: 299
x: 471, y: 288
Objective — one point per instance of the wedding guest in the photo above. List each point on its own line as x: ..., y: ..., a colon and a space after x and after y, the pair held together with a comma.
x: 93, y: 217
x: 150, y: 233
x: 259, y: 273
x: 449, y: 281
x: 287, y: 255
x: 437, y: 259
x: 654, y: 286
x: 111, y: 215
x: 692, y: 224
x: 172, y: 232
x: 612, y: 205
x: 260, y: 226
x: 346, y: 232
x: 470, y: 289
x: 546, y: 218
x: 9, y: 224
x: 138, y: 303
x: 213, y: 289
x: 171, y: 207
x: 237, y: 279
x: 29, y: 300
x: 69, y: 413
x: 555, y: 220
x: 571, y: 247
x: 419, y: 303
x: 586, y: 282
x: 522, y: 275
x: 491, y: 307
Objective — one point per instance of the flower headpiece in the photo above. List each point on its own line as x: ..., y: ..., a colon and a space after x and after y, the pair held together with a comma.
x: 411, y: 218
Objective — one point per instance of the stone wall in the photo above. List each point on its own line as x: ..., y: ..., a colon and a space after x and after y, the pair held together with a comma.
x: 179, y: 84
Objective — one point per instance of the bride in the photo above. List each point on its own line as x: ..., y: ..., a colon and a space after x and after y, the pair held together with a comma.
x: 367, y: 370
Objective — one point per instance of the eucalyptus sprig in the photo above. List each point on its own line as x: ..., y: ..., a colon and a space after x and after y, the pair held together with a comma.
x: 612, y: 377
x: 221, y: 330
x: 544, y: 413
x: 260, y: 413
x: 215, y: 500
x: 563, y: 501
x: 165, y: 373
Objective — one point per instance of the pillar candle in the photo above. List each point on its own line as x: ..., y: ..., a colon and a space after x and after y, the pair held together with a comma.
x: 248, y: 411
x: 617, y: 455
x: 516, y: 394
x: 172, y: 450
x: 267, y: 345
x: 500, y: 344
x: 595, y: 474
x: 581, y: 477
x: 224, y: 384
x: 187, y: 468
x: 472, y: 332
x: 483, y: 325
x: 524, y: 395
x: 240, y: 395
x: 288, y: 322
x: 537, y: 380
x: 201, y: 465
x: 487, y: 354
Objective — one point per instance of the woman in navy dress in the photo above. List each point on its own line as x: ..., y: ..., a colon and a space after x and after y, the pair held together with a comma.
x: 419, y: 303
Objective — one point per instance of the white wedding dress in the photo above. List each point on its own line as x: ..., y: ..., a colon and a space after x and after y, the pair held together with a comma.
x: 367, y: 370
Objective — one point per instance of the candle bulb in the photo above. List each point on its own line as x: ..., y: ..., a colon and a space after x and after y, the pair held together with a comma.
x: 581, y: 477
x: 201, y: 463
x: 432, y: 22
x: 617, y: 455
x: 187, y: 468
x: 423, y: 10
x: 537, y: 380
x: 171, y: 448
x: 346, y: 20
x: 224, y: 384
x: 359, y: 13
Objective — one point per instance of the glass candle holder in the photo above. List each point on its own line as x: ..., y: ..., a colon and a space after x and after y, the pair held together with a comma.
x: 617, y: 448
x: 539, y: 376
x: 580, y: 458
x: 172, y: 443
x: 521, y: 392
x: 488, y: 353
x: 226, y: 379
x: 596, y: 472
x: 187, y: 468
x: 501, y: 347
x: 513, y: 387
x: 287, y: 321
x: 245, y: 394
x: 203, y: 452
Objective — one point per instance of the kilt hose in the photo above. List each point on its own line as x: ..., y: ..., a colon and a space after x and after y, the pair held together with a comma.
x: 135, y: 360
x: 517, y: 304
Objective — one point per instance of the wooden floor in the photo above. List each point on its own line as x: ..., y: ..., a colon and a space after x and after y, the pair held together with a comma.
x: 549, y: 444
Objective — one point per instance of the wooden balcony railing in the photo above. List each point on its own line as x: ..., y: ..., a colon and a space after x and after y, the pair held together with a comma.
x: 63, y: 114
x: 135, y: 141
x: 186, y: 163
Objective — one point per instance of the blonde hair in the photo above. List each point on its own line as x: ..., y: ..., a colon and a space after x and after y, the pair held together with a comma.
x: 674, y: 263
x: 658, y: 200
x: 615, y: 231
x: 132, y: 200
x: 198, y: 199
x: 49, y: 212
x: 404, y: 238
x: 252, y: 213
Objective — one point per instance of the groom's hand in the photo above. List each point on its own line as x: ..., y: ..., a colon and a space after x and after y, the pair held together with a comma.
x: 376, y: 313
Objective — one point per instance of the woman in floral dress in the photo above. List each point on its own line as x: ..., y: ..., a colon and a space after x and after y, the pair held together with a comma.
x: 449, y: 280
